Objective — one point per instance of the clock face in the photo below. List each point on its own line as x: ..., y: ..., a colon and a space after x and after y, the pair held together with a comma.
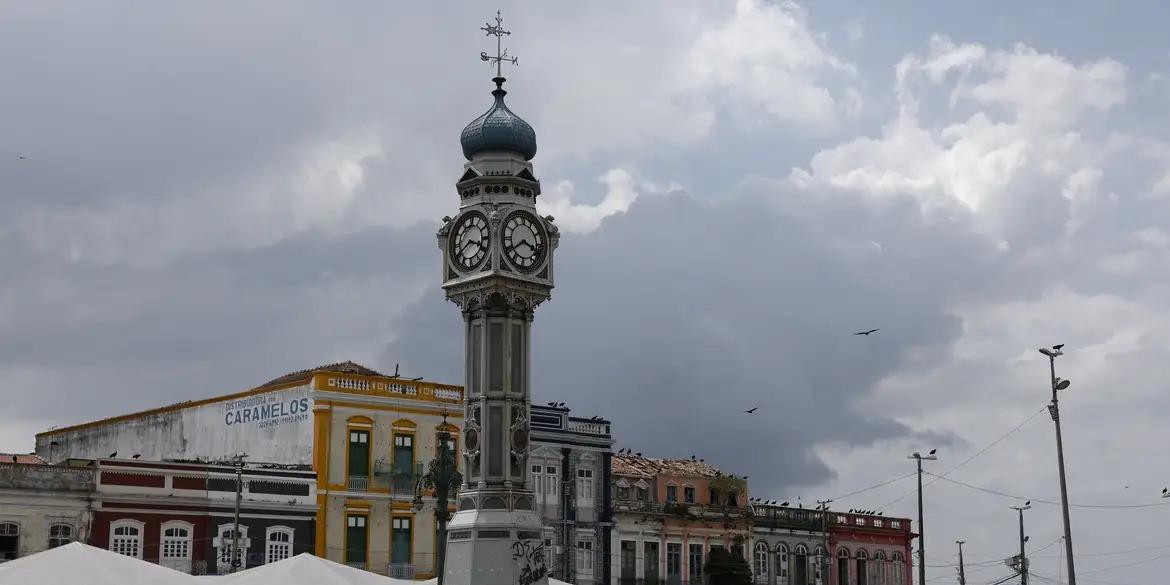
x: 524, y: 241
x: 469, y: 241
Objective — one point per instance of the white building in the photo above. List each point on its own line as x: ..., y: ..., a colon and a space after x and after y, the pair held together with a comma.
x: 42, y: 506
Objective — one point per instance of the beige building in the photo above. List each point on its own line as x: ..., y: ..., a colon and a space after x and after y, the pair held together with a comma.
x: 373, y: 437
x: 42, y: 506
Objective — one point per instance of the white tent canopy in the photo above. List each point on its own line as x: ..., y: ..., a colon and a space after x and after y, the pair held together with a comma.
x: 76, y: 563
x: 305, y: 569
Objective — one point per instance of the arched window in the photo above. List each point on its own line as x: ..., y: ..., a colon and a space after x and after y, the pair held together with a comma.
x: 819, y: 564
x: 760, y: 561
x: 881, y: 569
x: 9, y: 540
x: 60, y: 534
x: 224, y: 544
x: 278, y: 541
x: 862, y: 572
x: 782, y: 564
x: 842, y: 566
x: 799, y: 565
x: 126, y: 538
x: 175, y: 546
x: 899, y: 569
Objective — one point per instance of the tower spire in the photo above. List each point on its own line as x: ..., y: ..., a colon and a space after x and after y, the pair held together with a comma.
x: 501, y: 56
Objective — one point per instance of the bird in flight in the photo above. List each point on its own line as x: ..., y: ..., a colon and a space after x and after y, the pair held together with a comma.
x: 933, y: 451
x: 21, y: 157
x: 865, y: 332
x: 752, y: 410
x: 1058, y: 347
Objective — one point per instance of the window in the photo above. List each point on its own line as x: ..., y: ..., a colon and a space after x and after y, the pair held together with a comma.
x: 403, y: 454
x: 277, y: 543
x: 623, y: 493
x: 732, y: 499
x: 175, y: 546
x: 862, y: 571
x: 550, y: 483
x: 782, y: 565
x: 60, y: 534
x: 650, y: 562
x: 695, y: 561
x: 672, y: 493
x: 878, y: 569
x: 400, y: 541
x: 843, y: 567
x: 584, y: 487
x: 689, y: 494
x: 760, y: 562
x: 355, y: 540
x: 584, y: 556
x: 535, y: 479
x: 126, y: 538
x: 629, y: 560
x: 899, y: 569
x: 359, y: 454
x: 800, y: 565
x: 643, y: 494
x: 224, y: 545
x: 9, y: 541
x: 818, y: 564
x: 673, y: 561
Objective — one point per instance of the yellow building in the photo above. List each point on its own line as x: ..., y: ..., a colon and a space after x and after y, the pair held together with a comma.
x: 373, y: 437
x: 367, y: 435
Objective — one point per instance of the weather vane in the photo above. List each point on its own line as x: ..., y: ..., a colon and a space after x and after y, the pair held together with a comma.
x: 497, y: 30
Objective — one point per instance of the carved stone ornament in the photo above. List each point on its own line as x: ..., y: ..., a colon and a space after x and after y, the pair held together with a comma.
x: 520, y: 444
x: 471, y: 433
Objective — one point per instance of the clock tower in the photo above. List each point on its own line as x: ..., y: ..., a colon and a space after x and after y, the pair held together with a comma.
x: 497, y: 268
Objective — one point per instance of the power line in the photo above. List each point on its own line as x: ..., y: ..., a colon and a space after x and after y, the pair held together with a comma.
x: 1043, y: 501
x: 969, y: 459
x: 1111, y: 553
x: 884, y: 483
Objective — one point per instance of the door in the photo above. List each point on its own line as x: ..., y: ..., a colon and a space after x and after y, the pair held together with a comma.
x: 650, y: 562
x: 400, y: 542
x: 673, y: 562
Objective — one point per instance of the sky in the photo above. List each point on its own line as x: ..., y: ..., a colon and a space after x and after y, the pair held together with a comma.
x: 201, y: 197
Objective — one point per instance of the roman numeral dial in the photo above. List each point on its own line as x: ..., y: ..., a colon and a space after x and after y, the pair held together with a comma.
x: 524, y: 241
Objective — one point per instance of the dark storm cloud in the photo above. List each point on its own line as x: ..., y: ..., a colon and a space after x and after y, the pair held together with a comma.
x: 675, y: 317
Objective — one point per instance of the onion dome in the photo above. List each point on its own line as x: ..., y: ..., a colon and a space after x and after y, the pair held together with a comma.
x: 498, y: 129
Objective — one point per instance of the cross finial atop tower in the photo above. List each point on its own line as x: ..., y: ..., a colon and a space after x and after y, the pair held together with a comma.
x: 501, y: 56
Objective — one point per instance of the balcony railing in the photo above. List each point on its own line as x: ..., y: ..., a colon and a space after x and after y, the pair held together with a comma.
x: 356, y: 564
x: 580, y: 425
x: 402, y: 478
x: 401, y: 570
x: 358, y: 483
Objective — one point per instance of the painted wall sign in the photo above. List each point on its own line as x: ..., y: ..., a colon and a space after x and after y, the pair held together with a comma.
x: 266, y: 410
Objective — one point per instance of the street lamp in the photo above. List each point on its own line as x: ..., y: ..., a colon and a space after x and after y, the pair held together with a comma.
x: 444, y: 480
x: 1054, y: 410
x: 921, y: 530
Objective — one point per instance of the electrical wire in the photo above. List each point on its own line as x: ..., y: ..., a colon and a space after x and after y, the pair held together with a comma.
x: 1050, y: 502
x: 969, y: 459
x: 884, y: 483
x: 1109, y: 553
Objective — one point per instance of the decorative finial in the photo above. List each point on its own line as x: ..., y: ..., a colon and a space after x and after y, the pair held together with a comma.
x: 497, y: 30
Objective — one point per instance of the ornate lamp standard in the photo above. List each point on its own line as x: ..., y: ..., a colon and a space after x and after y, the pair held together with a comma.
x: 443, y: 479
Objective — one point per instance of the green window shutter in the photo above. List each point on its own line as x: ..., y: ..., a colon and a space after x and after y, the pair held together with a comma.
x: 356, y: 539
x: 359, y: 453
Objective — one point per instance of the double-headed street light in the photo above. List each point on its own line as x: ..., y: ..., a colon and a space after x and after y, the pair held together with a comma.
x: 1054, y: 410
x: 921, y: 531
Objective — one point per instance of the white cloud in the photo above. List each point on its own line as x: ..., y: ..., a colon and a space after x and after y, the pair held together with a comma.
x: 621, y: 192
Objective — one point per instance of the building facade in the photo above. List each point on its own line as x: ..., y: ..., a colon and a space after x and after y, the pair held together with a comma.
x: 371, y: 450
x: 788, y: 545
x: 42, y: 506
x: 182, y: 515
x: 569, y: 474
x: 365, y: 438
x: 668, y: 516
x: 870, y: 550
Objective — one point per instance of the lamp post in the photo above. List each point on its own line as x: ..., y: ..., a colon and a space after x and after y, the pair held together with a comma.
x: 921, y: 529
x: 1023, y: 539
x: 442, y: 478
x: 1054, y: 410
x: 962, y: 568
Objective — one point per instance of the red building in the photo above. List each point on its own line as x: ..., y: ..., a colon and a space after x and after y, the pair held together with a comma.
x: 869, y: 550
x: 182, y: 515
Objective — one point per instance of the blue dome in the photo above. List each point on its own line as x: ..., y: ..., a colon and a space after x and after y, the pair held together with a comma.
x: 498, y: 129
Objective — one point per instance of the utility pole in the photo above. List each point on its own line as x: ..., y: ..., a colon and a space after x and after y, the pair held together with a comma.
x: 1054, y: 410
x: 238, y: 463
x: 1023, y: 559
x: 823, y: 506
x: 962, y: 569
x: 921, y: 529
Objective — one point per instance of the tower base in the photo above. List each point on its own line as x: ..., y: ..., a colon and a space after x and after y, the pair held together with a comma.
x: 495, y: 547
